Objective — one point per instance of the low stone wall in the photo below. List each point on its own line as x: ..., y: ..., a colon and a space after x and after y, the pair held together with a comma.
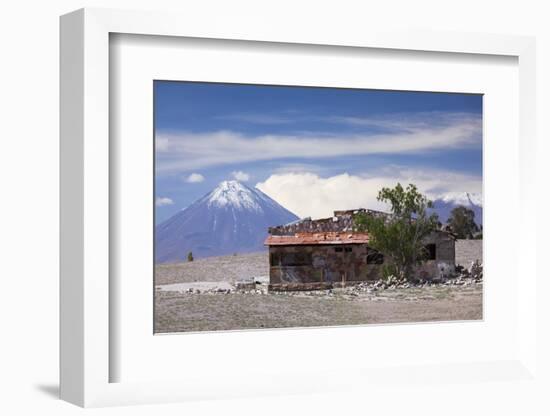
x: 468, y: 251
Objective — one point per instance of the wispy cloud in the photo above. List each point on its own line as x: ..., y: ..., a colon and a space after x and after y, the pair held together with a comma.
x: 240, y: 175
x: 308, y: 194
x: 160, y: 201
x: 162, y: 144
x: 299, y: 168
x: 187, y: 151
x: 391, y: 122
x: 194, y: 178
x: 253, y: 118
x: 408, y: 122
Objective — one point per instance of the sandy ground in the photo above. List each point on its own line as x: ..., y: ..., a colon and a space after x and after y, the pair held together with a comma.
x: 202, y: 286
x: 214, y: 269
x: 178, y: 312
x: 178, y: 309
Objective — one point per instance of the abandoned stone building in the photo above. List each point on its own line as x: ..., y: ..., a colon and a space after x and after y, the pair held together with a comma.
x: 325, y: 253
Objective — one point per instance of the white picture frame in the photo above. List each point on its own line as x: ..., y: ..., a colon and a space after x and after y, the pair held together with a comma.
x: 87, y: 355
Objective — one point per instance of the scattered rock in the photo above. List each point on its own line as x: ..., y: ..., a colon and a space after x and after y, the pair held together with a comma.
x: 473, y: 275
x: 476, y: 270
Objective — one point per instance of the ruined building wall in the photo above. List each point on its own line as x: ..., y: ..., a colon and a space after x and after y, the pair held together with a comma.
x: 341, y: 222
x: 443, y: 266
x: 325, y: 225
x: 325, y: 265
x: 468, y: 251
x: 321, y: 266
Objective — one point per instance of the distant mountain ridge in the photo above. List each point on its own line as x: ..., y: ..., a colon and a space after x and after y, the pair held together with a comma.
x: 232, y: 218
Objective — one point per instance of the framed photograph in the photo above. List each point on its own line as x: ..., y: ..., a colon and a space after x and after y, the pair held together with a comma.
x: 312, y: 202
x: 285, y: 206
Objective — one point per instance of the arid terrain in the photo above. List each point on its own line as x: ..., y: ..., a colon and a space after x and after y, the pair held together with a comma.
x: 202, y: 296
x: 214, y: 269
x: 178, y: 312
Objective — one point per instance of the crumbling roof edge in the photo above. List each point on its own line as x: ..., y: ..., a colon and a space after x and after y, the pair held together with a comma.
x: 329, y: 238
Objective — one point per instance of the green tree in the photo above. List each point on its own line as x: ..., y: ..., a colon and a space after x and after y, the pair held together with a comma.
x: 190, y: 256
x: 400, y: 235
x: 461, y: 222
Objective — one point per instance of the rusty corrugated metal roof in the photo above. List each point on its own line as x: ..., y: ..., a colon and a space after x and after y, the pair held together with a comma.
x: 317, y: 238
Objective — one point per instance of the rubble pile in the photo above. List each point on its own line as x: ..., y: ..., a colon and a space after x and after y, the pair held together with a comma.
x: 473, y: 275
x: 220, y: 291
x: 464, y: 277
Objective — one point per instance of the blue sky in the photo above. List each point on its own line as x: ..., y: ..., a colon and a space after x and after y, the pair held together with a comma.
x: 312, y: 149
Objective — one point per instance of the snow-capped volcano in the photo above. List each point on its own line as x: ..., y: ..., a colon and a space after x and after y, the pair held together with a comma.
x: 235, y: 195
x: 444, y: 204
x: 232, y: 218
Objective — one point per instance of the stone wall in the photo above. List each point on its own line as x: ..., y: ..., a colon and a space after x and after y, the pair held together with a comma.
x: 443, y: 266
x: 445, y: 246
x: 346, y: 264
x: 468, y: 251
x: 327, y: 266
x: 342, y: 223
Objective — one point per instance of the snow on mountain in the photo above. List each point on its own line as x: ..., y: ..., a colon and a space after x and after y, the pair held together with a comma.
x: 232, y: 218
x: 235, y: 195
x: 444, y: 204
x: 462, y: 198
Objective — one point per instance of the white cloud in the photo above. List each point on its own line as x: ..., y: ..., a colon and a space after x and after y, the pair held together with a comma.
x: 408, y: 121
x: 194, y: 178
x: 198, y: 150
x: 307, y: 194
x: 161, y: 144
x: 160, y: 202
x: 299, y: 167
x: 240, y: 175
x: 258, y: 118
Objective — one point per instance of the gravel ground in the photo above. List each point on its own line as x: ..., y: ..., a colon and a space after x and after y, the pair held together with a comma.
x: 204, y: 308
x: 214, y: 269
x: 180, y: 312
